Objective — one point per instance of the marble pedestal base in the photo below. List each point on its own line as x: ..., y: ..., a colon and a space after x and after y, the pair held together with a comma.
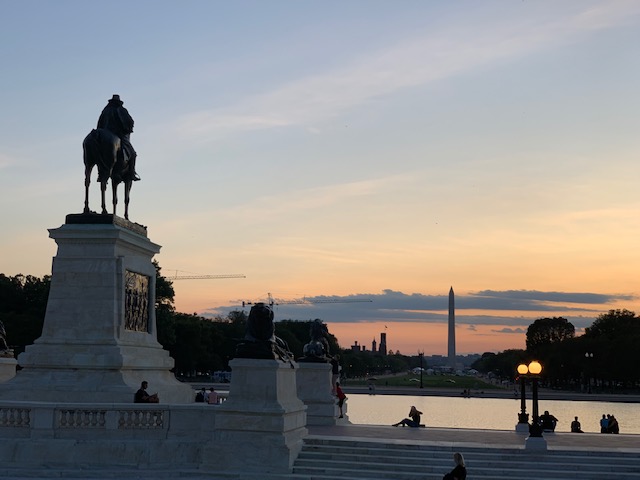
x: 314, y: 389
x: 522, y: 428
x: 99, y: 339
x: 261, y: 426
x: 7, y: 368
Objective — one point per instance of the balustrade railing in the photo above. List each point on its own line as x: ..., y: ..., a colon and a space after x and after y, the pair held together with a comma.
x: 15, y: 417
x: 37, y: 419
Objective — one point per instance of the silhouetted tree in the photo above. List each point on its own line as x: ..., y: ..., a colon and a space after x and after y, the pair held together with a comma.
x: 614, y: 324
x: 546, y: 331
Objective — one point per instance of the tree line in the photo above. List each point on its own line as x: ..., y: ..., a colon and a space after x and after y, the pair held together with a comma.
x: 605, y: 358
x: 198, y: 345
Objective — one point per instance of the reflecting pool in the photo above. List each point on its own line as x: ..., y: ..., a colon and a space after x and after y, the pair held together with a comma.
x: 486, y: 413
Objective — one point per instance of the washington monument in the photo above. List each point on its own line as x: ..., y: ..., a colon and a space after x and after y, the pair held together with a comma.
x: 452, y: 330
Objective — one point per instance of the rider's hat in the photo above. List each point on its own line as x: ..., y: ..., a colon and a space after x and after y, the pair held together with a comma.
x: 116, y: 98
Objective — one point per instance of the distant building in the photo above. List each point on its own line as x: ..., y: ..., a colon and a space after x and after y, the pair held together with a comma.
x: 383, y: 344
x: 374, y: 346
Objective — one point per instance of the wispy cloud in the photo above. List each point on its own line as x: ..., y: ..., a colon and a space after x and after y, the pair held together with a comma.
x: 510, y: 330
x: 414, y: 62
x: 287, y: 203
x: 535, y: 299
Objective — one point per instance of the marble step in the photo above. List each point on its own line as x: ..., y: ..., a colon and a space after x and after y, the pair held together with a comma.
x: 397, y: 461
x: 337, y: 459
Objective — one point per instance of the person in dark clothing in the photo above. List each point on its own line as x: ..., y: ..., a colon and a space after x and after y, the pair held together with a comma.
x: 142, y: 396
x: 200, y: 396
x: 460, y: 471
x: 413, y: 421
x: 575, y: 426
x: 548, y: 422
x: 613, y: 425
x: 116, y: 119
x: 604, y: 424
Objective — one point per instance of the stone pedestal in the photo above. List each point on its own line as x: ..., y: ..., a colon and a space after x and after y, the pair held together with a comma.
x: 261, y: 426
x: 522, y: 428
x: 314, y: 389
x: 7, y: 368
x: 535, y: 444
x: 99, y: 339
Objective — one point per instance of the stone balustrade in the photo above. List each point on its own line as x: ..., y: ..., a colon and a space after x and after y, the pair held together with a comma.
x: 73, y: 420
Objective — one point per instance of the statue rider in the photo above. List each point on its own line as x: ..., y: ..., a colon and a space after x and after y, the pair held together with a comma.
x: 116, y: 119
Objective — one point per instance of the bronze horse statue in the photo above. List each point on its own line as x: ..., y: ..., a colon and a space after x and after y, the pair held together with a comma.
x: 104, y: 150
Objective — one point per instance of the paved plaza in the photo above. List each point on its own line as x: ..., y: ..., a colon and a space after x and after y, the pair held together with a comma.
x: 487, y: 438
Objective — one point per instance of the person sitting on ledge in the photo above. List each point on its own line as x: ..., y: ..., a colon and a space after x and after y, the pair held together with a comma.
x: 548, y: 422
x: 142, y: 396
x: 576, y: 427
x: 414, y: 421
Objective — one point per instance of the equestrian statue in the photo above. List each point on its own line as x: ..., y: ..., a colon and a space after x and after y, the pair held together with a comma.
x: 108, y: 147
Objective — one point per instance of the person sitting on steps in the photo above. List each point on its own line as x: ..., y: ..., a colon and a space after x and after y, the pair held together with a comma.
x: 460, y: 471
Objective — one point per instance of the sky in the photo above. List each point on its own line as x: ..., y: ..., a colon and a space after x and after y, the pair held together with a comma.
x: 363, y: 150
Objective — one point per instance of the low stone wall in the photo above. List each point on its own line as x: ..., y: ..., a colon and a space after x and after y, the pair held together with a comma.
x: 258, y: 427
x: 126, y: 435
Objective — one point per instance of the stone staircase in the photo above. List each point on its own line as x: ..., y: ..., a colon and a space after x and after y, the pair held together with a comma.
x: 350, y: 459
x: 332, y: 458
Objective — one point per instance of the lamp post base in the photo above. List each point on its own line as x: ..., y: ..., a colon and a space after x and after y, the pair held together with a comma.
x: 522, y: 428
x: 537, y: 444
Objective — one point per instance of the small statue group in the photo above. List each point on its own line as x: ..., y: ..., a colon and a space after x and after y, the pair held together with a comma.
x: 260, y: 340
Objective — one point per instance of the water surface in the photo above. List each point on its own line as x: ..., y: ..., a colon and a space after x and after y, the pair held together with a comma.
x: 486, y: 413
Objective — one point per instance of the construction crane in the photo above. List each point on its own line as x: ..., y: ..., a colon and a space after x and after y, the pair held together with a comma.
x: 202, y: 277
x: 302, y: 301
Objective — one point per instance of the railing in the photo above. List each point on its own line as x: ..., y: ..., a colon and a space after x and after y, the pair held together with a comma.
x: 15, y: 417
x: 57, y: 420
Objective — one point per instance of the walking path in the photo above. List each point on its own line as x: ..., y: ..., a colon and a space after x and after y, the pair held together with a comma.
x: 483, y: 438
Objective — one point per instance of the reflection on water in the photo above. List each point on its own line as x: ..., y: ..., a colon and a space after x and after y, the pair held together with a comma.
x: 486, y: 413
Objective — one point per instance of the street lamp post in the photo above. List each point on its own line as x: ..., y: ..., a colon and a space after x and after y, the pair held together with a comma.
x: 523, y: 416
x: 535, y: 441
x: 421, y: 355
x: 535, y: 430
